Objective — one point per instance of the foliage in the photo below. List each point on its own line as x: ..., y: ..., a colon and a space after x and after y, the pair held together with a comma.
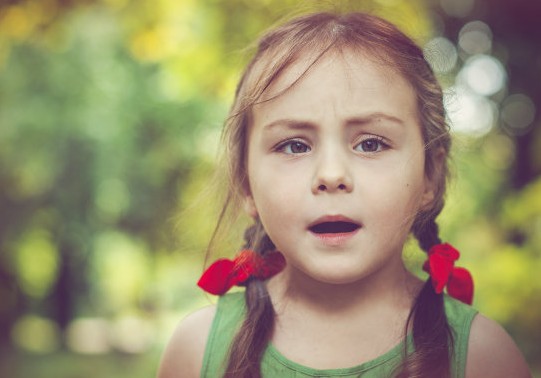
x: 110, y: 115
x: 69, y: 365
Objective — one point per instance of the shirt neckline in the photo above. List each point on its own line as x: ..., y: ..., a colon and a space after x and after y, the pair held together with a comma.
x: 393, y: 353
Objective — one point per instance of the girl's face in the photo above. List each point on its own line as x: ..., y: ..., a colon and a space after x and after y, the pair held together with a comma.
x: 336, y: 168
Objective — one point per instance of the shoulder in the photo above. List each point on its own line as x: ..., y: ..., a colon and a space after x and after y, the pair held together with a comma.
x: 183, y: 356
x: 492, y: 352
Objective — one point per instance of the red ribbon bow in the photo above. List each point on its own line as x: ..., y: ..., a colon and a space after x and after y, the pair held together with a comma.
x: 440, y: 266
x: 223, y: 274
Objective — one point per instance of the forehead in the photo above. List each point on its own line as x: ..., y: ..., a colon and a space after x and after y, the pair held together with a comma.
x: 344, y: 81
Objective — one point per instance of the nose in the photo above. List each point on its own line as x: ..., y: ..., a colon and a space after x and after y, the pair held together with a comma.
x: 332, y: 175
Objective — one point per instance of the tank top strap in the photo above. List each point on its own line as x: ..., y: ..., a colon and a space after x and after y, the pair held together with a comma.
x: 460, y: 317
x: 230, y: 312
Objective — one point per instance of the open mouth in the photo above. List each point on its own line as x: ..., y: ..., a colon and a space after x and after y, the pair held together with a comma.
x: 340, y: 227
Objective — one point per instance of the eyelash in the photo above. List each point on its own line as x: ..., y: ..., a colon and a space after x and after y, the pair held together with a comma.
x: 281, y: 147
x: 381, y: 144
x: 287, y: 145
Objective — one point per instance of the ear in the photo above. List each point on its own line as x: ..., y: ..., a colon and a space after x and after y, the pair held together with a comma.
x: 433, y: 179
x: 249, y: 206
x: 428, y: 195
x: 249, y: 203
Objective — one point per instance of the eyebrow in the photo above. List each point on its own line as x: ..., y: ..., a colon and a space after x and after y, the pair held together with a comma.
x: 290, y: 124
x: 362, y: 120
x: 353, y: 121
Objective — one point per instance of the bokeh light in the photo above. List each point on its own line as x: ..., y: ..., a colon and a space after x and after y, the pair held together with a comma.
x: 441, y: 54
x: 484, y: 74
x: 498, y: 152
x: 469, y: 112
x: 518, y: 113
x: 89, y: 336
x: 132, y: 334
x: 457, y: 8
x: 36, y: 334
x: 121, y: 268
x: 36, y: 263
x: 475, y: 38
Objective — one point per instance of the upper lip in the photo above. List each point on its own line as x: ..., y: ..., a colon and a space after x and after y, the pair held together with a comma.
x: 333, y: 218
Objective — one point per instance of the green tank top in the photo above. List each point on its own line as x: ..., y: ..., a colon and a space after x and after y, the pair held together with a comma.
x: 229, y: 315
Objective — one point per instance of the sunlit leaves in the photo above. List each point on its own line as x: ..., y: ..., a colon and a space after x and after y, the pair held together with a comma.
x: 521, y: 213
x: 110, y: 114
x: 36, y: 334
x: 121, y: 269
x: 36, y: 262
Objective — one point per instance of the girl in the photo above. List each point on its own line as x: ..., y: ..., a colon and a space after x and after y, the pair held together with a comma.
x: 338, y: 150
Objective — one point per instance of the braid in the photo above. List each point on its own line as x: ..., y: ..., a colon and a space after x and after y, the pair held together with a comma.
x: 427, y: 235
x: 257, y: 239
x: 432, y: 335
x: 250, y: 341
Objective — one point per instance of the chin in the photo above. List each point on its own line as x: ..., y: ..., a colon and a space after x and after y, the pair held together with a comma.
x: 337, y: 276
x: 341, y: 280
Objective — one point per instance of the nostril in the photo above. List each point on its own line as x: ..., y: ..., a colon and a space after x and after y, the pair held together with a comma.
x: 342, y: 187
x: 322, y: 188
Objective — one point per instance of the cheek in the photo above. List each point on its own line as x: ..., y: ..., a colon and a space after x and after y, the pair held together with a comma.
x: 276, y: 193
x: 397, y: 198
x: 274, y: 186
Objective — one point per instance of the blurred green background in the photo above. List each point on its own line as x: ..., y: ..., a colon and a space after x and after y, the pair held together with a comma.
x: 110, y: 115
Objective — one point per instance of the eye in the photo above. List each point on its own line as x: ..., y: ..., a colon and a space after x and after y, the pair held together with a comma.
x: 294, y: 147
x: 373, y: 144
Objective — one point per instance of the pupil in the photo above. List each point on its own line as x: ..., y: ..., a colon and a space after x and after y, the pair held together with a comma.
x: 370, y: 145
x: 298, y: 147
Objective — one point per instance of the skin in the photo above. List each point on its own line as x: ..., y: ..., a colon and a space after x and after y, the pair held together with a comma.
x: 343, y: 141
x: 336, y: 116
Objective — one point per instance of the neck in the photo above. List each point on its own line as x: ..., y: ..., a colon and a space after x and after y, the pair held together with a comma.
x: 394, y: 286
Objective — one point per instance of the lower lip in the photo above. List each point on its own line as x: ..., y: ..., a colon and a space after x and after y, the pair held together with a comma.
x: 335, y: 239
